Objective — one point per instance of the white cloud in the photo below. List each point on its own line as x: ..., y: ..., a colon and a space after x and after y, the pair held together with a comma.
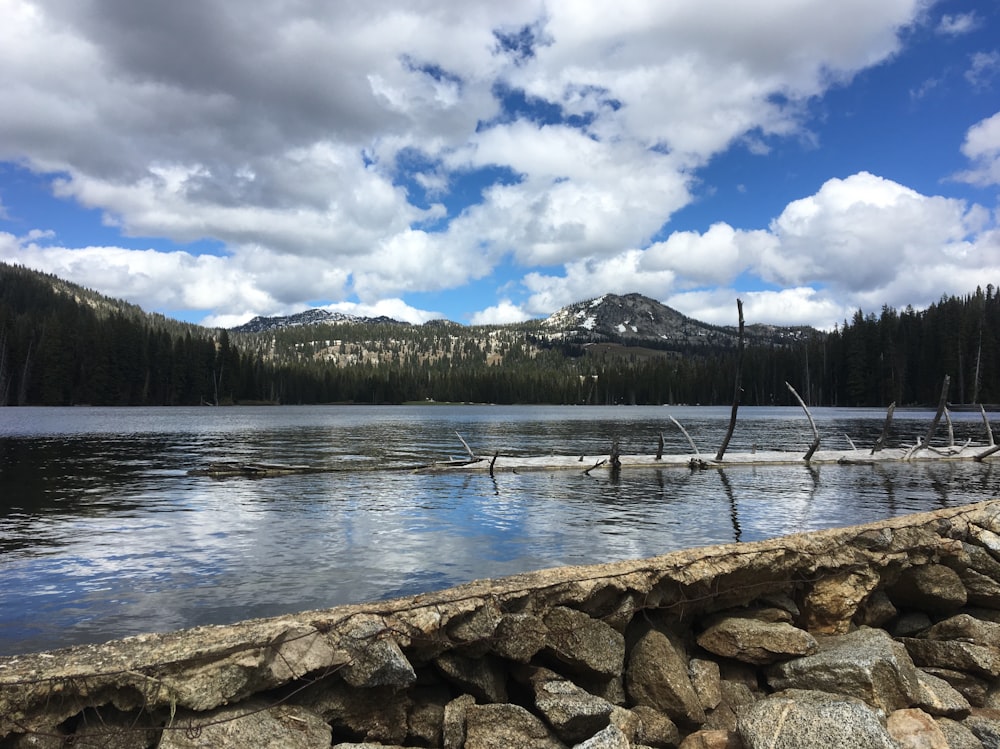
x: 795, y: 306
x: 958, y: 24
x: 289, y: 156
x: 715, y: 257
x: 982, y: 148
x: 984, y: 67
x: 396, y: 309
x: 504, y: 313
x: 860, y: 241
x: 858, y: 233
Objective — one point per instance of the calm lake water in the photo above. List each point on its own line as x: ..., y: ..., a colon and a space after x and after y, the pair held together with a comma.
x: 103, y: 533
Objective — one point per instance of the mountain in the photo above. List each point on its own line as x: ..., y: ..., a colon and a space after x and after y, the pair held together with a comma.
x: 261, y: 324
x: 634, y: 319
x: 630, y: 320
x: 61, y: 344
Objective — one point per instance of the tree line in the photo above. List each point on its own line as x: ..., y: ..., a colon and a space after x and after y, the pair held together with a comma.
x: 63, y: 345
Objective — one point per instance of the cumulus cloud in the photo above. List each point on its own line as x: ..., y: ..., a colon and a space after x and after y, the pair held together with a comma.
x: 982, y: 148
x: 323, y: 146
x: 862, y: 241
x: 504, y: 313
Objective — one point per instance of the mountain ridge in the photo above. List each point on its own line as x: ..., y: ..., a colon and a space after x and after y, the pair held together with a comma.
x: 629, y: 319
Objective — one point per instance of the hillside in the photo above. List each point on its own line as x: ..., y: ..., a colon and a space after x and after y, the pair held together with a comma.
x: 610, y: 325
x: 61, y: 344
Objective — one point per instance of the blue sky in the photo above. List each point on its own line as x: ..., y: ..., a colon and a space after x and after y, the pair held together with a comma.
x: 493, y: 162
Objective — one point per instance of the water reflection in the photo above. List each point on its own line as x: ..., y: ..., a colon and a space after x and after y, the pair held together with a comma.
x: 103, y: 533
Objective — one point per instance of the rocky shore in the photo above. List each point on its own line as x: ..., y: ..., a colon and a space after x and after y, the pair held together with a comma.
x: 884, y: 635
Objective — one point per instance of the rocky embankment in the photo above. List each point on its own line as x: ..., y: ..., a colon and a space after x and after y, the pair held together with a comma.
x: 886, y: 635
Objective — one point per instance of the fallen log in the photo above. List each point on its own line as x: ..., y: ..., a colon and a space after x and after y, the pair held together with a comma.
x: 255, y: 470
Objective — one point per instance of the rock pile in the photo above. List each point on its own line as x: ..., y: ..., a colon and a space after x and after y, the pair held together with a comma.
x: 886, y: 635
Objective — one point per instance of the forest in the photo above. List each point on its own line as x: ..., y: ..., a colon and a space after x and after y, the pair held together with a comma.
x: 64, y: 345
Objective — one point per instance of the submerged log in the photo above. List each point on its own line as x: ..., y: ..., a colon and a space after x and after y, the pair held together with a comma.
x: 252, y: 469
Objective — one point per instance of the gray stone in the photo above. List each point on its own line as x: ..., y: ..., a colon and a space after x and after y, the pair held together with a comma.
x: 585, y: 644
x: 985, y: 724
x: 657, y: 676
x: 520, y: 636
x: 504, y: 727
x: 876, y: 611
x: 981, y: 589
x: 484, y: 678
x: 968, y: 629
x: 914, y: 729
x: 972, y: 688
x: 957, y: 735
x: 250, y: 724
x: 707, y: 681
x: 609, y: 738
x: 475, y: 631
x: 938, y: 697
x: 932, y: 588
x: 981, y: 560
x: 453, y: 730
x: 812, y: 720
x: 734, y: 695
x: 426, y: 715
x: 375, y: 657
x: 655, y: 728
x: 867, y: 664
x: 911, y: 624
x: 954, y: 654
x: 756, y: 641
x: 628, y: 722
x: 573, y: 713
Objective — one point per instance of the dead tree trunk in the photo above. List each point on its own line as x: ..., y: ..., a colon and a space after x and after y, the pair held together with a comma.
x: 737, y: 389
x: 942, y: 405
x: 880, y: 442
x: 815, y: 443
x: 694, y: 447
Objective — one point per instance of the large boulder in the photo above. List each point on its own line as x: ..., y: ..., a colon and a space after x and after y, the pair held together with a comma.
x: 931, y: 588
x: 834, y: 599
x: 585, y: 645
x: 867, y: 664
x: 756, y: 641
x: 376, y: 659
x: 573, y: 713
x: 980, y: 660
x: 812, y: 720
x: 657, y: 676
x: 506, y: 726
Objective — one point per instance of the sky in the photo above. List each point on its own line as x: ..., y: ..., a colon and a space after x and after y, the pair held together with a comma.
x: 491, y: 162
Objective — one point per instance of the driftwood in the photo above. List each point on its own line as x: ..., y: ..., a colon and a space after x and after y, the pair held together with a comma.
x: 942, y: 407
x: 986, y: 423
x: 815, y: 443
x: 694, y: 447
x: 252, y: 470
x: 880, y: 442
x: 738, y: 388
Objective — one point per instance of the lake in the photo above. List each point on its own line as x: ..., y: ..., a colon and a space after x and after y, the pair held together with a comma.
x: 104, y: 533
